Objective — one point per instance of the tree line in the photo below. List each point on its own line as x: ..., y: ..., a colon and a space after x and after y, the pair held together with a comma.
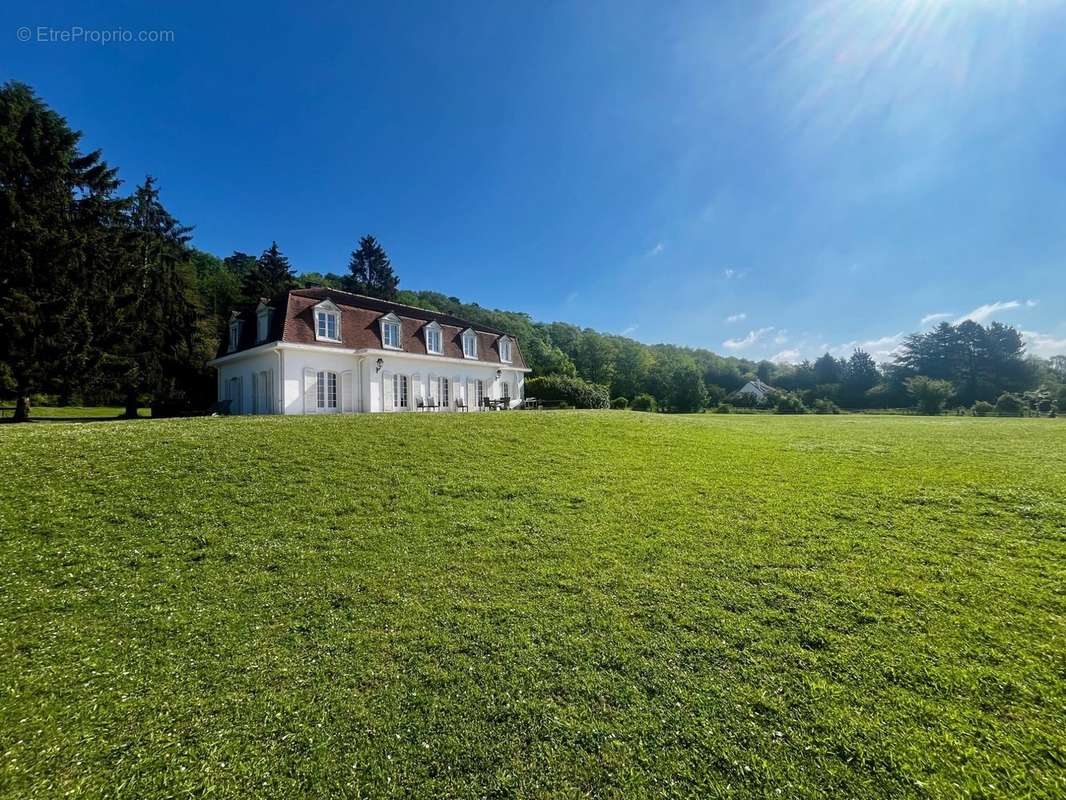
x: 103, y: 299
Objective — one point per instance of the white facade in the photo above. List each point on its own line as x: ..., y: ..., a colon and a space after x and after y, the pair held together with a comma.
x: 289, y: 378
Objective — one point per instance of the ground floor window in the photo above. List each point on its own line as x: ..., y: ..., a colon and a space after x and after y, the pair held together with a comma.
x: 505, y: 390
x: 479, y: 392
x: 443, y: 393
x: 399, y: 391
x: 327, y: 391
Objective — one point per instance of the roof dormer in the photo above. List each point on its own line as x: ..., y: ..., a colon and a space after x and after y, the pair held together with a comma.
x: 470, y: 343
x: 263, y: 313
x: 434, y: 336
x: 327, y: 321
x: 391, y: 328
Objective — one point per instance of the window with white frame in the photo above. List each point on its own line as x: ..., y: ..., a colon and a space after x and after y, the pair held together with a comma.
x: 470, y: 345
x: 327, y: 391
x: 399, y: 392
x: 442, y: 392
x: 390, y: 332
x: 505, y: 390
x: 505, y: 350
x: 327, y: 324
x: 434, y: 339
x: 263, y: 325
x: 479, y: 392
x: 234, y: 335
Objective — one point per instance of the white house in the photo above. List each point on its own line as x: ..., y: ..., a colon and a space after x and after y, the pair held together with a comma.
x: 324, y: 351
x: 756, y: 388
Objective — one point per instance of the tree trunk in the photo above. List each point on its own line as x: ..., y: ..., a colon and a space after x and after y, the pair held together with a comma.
x: 132, y: 404
x: 22, y: 408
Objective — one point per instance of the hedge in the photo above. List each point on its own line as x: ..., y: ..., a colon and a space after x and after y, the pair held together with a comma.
x: 571, y: 391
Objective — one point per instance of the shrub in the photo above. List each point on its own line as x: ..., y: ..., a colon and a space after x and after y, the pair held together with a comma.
x: 788, y: 403
x: 1009, y: 404
x: 571, y: 391
x: 644, y: 402
x: 823, y: 405
x: 620, y: 403
x: 982, y: 408
x: 724, y: 408
x: 929, y: 394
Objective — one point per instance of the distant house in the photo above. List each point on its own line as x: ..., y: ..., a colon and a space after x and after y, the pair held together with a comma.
x: 756, y: 389
x: 324, y: 351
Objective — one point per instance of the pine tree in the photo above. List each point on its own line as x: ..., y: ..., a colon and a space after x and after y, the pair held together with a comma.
x: 270, y: 276
x: 57, y: 207
x: 152, y: 347
x: 370, y: 271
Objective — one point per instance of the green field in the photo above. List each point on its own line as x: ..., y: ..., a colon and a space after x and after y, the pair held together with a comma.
x: 524, y: 604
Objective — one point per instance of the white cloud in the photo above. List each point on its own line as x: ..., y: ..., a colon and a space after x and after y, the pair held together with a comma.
x: 753, y: 337
x: 786, y: 357
x: 781, y: 338
x: 570, y: 298
x: 983, y: 314
x: 881, y: 349
x: 630, y: 329
x: 1043, y: 345
x: 934, y: 317
x: 734, y: 274
x: 740, y: 317
x: 1032, y: 303
x: 659, y: 247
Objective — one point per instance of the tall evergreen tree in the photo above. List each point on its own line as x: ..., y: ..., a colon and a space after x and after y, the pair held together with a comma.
x: 152, y: 346
x: 57, y: 207
x: 270, y: 276
x: 860, y: 375
x: 370, y: 271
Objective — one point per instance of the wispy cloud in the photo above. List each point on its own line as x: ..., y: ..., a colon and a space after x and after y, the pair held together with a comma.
x: 882, y: 349
x: 935, y: 317
x: 739, y: 317
x: 752, y: 338
x: 630, y: 329
x: 659, y: 247
x: 786, y: 357
x: 1044, y: 345
x: 570, y: 298
x: 983, y: 314
x: 734, y: 274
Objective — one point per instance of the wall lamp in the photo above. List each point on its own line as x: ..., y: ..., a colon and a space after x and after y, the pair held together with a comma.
x: 379, y: 364
x: 499, y: 374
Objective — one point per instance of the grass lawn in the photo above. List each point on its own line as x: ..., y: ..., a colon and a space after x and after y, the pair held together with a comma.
x: 55, y: 413
x: 524, y: 604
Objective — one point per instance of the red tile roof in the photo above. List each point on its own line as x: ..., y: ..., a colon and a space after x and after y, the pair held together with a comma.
x: 293, y: 321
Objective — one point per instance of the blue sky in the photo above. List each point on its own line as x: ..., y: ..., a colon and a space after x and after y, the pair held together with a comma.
x: 763, y: 179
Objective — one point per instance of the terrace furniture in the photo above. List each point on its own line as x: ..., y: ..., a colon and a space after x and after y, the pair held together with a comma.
x: 459, y: 404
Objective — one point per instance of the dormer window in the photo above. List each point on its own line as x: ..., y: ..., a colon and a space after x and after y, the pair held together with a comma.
x: 434, y: 339
x: 262, y: 330
x: 505, y: 350
x: 469, y: 343
x: 390, y: 332
x: 234, y: 332
x: 327, y: 322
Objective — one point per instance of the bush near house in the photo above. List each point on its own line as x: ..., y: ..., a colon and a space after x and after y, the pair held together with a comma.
x: 982, y: 408
x: 574, y: 392
x: 724, y: 408
x: 620, y: 403
x: 788, y: 403
x: 825, y: 406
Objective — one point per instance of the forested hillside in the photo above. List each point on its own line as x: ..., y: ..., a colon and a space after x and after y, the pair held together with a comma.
x: 103, y: 300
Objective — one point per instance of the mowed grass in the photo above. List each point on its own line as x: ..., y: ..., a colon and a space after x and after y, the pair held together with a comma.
x: 564, y: 603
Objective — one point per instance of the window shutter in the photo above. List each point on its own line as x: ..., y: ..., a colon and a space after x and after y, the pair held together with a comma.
x: 433, y: 393
x: 269, y: 392
x: 387, y: 392
x: 471, y: 395
x: 346, y: 391
x: 310, y: 391
x: 255, y: 393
